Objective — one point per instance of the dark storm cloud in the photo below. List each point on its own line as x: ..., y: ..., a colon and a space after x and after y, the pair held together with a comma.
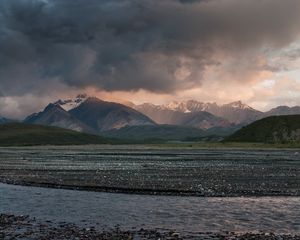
x: 159, y: 46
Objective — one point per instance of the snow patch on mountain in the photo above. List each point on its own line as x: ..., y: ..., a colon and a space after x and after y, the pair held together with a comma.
x: 195, y: 106
x: 69, y: 104
x: 235, y: 112
x: 238, y: 105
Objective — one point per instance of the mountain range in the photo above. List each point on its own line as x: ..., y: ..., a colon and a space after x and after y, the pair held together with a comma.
x: 197, y: 119
x: 191, y: 118
x: 236, y: 113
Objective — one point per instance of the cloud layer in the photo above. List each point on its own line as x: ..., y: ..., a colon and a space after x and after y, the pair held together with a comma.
x: 128, y: 45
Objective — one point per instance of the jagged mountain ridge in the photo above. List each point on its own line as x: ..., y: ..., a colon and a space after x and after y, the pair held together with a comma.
x: 92, y: 115
x: 192, y: 118
x: 235, y: 112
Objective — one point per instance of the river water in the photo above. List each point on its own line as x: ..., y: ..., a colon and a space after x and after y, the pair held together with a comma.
x: 184, y: 214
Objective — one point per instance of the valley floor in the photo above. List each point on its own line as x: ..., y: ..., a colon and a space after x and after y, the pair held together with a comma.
x: 245, y: 193
x: 156, y: 170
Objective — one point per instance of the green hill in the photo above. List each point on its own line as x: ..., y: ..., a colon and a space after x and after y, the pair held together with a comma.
x: 275, y: 129
x: 19, y: 134
x: 152, y: 133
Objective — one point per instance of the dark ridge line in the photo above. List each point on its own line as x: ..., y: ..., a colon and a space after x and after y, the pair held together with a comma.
x: 150, y: 192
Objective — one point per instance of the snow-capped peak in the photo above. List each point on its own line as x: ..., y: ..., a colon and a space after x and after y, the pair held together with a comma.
x: 173, y: 105
x: 196, y: 106
x: 188, y: 106
x: 239, y: 105
x: 69, y: 104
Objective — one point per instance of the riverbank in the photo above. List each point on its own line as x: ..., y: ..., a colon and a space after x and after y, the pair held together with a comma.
x: 186, y: 215
x: 24, y: 227
x: 166, y: 192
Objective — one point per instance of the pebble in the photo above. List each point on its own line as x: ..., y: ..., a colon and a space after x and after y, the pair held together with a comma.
x: 22, y: 227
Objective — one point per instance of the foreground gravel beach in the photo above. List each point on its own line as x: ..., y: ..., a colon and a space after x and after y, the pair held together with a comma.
x: 216, y: 194
x: 154, y: 170
x: 23, y: 227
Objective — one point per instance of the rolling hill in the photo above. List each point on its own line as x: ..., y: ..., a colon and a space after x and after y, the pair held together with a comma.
x: 275, y: 129
x: 155, y: 132
x: 20, y: 134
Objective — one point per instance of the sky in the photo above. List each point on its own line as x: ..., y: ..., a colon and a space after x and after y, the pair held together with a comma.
x: 149, y: 51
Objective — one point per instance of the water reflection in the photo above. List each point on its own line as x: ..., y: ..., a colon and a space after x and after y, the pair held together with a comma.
x: 186, y: 214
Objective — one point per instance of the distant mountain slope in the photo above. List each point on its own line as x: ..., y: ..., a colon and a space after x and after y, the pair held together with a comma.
x: 235, y: 112
x: 92, y: 115
x: 283, y: 110
x: 203, y: 120
x: 4, y: 120
x: 189, y: 106
x: 270, y: 130
x: 54, y: 115
x: 20, y: 134
x: 102, y: 116
x: 155, y: 132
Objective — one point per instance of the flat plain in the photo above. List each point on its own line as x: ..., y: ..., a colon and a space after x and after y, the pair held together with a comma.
x: 155, y: 169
